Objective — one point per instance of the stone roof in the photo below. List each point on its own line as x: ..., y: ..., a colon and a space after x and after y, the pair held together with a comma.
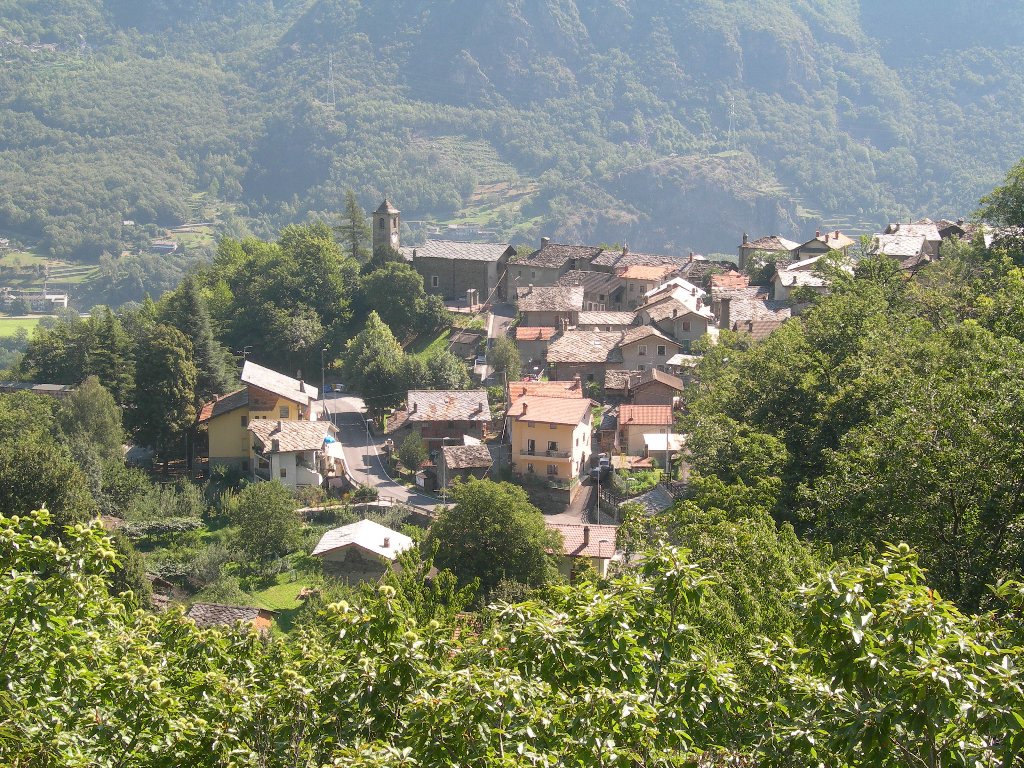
x: 386, y: 207
x: 466, y: 456
x: 456, y: 250
x: 534, y: 333
x: 774, y: 243
x: 448, y: 405
x: 466, y: 336
x: 572, y: 390
x: 654, y: 375
x: 898, y: 246
x: 592, y: 282
x: 555, y: 298
x: 224, y: 404
x: 595, y: 541
x: 671, y: 285
x: 794, y: 278
x: 757, y: 309
x: 618, y: 379
x: 366, y: 535
x: 555, y: 255
x: 284, y: 386
x: 641, y: 332
x: 647, y: 272
x: 926, y: 229
x: 607, y: 318
x: 655, y: 501
x: 291, y: 435
x: 586, y: 347
x: 670, y: 307
x: 215, y: 614
x: 620, y: 259
x: 645, y: 415
x: 757, y: 329
x: 550, y: 410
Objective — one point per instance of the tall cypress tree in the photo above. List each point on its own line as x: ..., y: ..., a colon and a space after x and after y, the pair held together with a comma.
x: 186, y: 310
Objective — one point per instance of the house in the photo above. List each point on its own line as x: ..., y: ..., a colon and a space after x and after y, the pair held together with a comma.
x: 551, y: 440
x: 617, y: 383
x: 548, y: 263
x: 730, y: 279
x: 533, y: 342
x: 601, y: 291
x: 267, y: 394
x: 572, y: 389
x: 800, y: 274
x: 549, y: 307
x: 466, y: 343
x: 297, y: 453
x: 57, y: 391
x: 595, y: 544
x: 361, y: 551
x: 643, y: 347
x: 448, y: 414
x: 586, y: 354
x: 452, y: 269
x: 774, y: 248
x: 745, y: 315
x: 654, y: 387
x: 909, y: 250
x: 462, y: 462
x: 636, y: 421
x: 681, y: 314
x: 926, y: 229
x: 640, y: 279
x: 671, y: 285
x: 615, y: 261
x: 662, y: 447
x: 605, y: 321
x: 217, y: 615
x: 822, y: 244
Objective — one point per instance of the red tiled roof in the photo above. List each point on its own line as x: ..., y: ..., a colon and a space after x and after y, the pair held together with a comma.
x: 646, y: 415
x: 600, y: 539
x: 566, y: 390
x: 224, y: 404
x: 730, y: 279
x: 644, y: 272
x: 550, y: 410
x: 534, y: 333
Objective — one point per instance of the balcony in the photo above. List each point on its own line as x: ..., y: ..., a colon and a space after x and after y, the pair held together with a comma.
x: 546, y: 454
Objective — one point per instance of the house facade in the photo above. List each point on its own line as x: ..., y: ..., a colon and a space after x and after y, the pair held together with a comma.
x: 645, y: 347
x: 450, y: 269
x: 549, y: 307
x: 548, y: 263
x: 551, y: 440
x: 361, y: 551
x: 636, y: 421
x: 298, y: 454
x: 584, y: 354
x: 440, y: 415
x: 594, y: 545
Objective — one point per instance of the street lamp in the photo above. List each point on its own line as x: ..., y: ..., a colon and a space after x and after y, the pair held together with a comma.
x: 323, y: 380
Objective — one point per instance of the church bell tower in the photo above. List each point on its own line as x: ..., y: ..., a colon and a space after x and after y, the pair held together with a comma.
x: 385, y: 226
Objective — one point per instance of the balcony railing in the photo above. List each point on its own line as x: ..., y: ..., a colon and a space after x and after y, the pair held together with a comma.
x: 563, y: 483
x: 548, y: 454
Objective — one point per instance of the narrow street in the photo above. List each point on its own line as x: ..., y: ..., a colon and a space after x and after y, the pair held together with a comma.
x: 364, y: 451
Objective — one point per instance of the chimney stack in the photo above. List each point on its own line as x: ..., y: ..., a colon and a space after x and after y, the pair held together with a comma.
x: 744, y: 238
x: 817, y: 233
x: 545, y: 241
x: 837, y: 234
x: 530, y: 290
x: 586, y: 535
x: 691, y: 257
x: 524, y: 408
x: 723, y: 321
x: 387, y: 542
x: 625, y: 249
x: 576, y: 382
x: 414, y: 254
x: 275, y: 445
x: 413, y: 409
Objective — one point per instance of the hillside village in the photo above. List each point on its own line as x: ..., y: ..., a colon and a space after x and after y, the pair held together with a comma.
x: 587, y: 417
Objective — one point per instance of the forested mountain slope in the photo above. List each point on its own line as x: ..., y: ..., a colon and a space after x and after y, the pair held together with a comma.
x: 666, y: 124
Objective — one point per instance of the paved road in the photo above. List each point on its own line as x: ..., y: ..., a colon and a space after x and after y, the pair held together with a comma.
x: 364, y: 452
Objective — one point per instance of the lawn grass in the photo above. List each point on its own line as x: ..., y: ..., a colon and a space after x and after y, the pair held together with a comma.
x: 22, y: 259
x: 9, y: 325
x: 426, y: 346
x: 282, y: 597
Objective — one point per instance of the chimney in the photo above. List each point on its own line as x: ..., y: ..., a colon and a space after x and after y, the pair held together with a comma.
x: 693, y: 291
x: 524, y: 408
x: 302, y: 386
x: 544, y: 241
x: 700, y: 302
x: 675, y: 312
x: 723, y: 321
x: 837, y: 234
x: 530, y: 290
x: 275, y: 445
x: 414, y: 254
x: 691, y: 257
x: 413, y: 409
x: 817, y: 233
x: 280, y: 425
x: 387, y: 542
x: 744, y: 238
x: 576, y: 382
x: 625, y: 249
x: 586, y: 535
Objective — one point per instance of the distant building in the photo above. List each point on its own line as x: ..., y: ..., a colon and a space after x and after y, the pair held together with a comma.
x: 361, y: 551
x: 217, y: 615
x: 450, y: 269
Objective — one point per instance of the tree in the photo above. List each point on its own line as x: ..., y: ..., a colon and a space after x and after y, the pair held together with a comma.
x: 503, y: 357
x: 372, y: 355
x: 185, y: 309
x: 268, y: 525
x: 395, y: 292
x: 165, y: 385
x: 446, y: 371
x: 91, y: 421
x: 411, y: 452
x: 493, y: 532
x: 42, y: 473
x: 1004, y: 205
x: 354, y: 231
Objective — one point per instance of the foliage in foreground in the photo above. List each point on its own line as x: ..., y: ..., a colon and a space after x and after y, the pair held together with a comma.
x: 880, y: 671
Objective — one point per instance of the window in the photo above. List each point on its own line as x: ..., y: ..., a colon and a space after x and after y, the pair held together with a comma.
x: 381, y: 227
x: 661, y: 350
x: 590, y: 306
x: 632, y: 288
x: 641, y: 367
x: 529, y: 469
x: 600, y: 297
x: 686, y: 325
x: 435, y: 281
x: 552, y: 469
x: 552, y: 445
x: 642, y: 350
x: 530, y: 424
x: 245, y: 422
x: 284, y: 472
x: 283, y: 411
x: 590, y: 377
x: 553, y: 426
x: 533, y: 274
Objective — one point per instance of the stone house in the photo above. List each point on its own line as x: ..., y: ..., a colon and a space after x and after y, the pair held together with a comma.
x: 217, y: 615
x: 770, y: 247
x: 640, y: 279
x: 361, y: 551
x: 549, y: 307
x: 680, y: 314
x: 823, y: 244
x: 441, y: 415
x: 532, y: 342
x: 462, y: 462
x: 654, y: 387
x: 584, y: 354
x: 548, y: 263
x: 450, y: 268
x: 644, y: 347
x: 605, y: 321
x: 601, y: 290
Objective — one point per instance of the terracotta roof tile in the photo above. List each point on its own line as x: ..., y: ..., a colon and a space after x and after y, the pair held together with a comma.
x: 644, y: 415
x: 534, y: 333
x: 550, y: 410
x: 600, y: 539
x: 567, y: 390
x: 647, y: 272
x: 730, y: 279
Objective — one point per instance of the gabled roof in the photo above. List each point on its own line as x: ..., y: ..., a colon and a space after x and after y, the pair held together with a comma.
x: 654, y: 375
x: 647, y: 272
x: 448, y: 405
x: 625, y: 258
x: 730, y: 279
x: 457, y: 251
x: 671, y: 307
x: 592, y: 282
x: 793, y: 279
x: 642, y: 332
x: 607, y: 318
x: 757, y: 329
x: 600, y: 540
x: 215, y: 614
x: 284, y: 386
x: 774, y: 243
x: 555, y: 298
x: 567, y: 390
x: 834, y: 239
x: 224, y: 404
x: 292, y: 435
x: 926, y: 229
x: 655, y: 501
x: 555, y: 255
x: 898, y: 246
x: 645, y: 415
x: 367, y: 536
x: 586, y: 347
x: 671, y: 285
x: 534, y: 333
x: 466, y: 456
x: 550, y: 410
x: 618, y: 379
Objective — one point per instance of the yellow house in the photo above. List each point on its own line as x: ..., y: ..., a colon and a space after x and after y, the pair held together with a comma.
x: 551, y: 439
x: 267, y: 394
